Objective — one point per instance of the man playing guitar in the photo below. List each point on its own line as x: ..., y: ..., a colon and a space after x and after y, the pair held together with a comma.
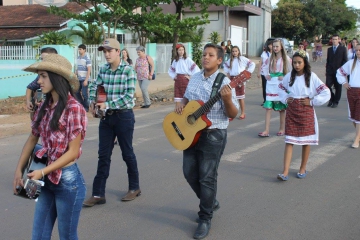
x: 201, y: 161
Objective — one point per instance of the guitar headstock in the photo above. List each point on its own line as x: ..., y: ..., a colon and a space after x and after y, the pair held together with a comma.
x: 240, y: 79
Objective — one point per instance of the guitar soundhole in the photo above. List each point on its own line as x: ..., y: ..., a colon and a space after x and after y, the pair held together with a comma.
x: 191, y: 119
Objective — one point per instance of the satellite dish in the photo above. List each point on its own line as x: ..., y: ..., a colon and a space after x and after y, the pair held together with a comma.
x: 48, y: 3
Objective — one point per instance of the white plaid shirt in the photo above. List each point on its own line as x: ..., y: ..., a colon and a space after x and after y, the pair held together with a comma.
x: 200, y: 87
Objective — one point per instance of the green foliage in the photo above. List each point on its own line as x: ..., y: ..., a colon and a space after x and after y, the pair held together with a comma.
x: 197, y: 47
x: 91, y: 34
x: 53, y: 38
x: 297, y: 19
x: 214, y: 37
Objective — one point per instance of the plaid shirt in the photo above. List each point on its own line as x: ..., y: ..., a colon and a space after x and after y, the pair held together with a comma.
x: 34, y: 85
x: 72, y: 122
x: 200, y: 87
x: 119, y: 86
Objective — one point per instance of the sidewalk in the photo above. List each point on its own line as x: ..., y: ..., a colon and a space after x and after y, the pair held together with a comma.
x: 164, y: 82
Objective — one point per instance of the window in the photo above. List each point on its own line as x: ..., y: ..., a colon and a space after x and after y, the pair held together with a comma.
x: 121, y: 38
x: 1, y: 2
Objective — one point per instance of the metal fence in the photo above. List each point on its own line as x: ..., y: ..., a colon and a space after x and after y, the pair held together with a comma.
x: 162, y: 58
x: 18, y: 52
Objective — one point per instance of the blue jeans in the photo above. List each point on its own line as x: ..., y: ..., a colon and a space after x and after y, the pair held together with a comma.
x: 120, y: 125
x: 83, y: 97
x: 61, y: 201
x: 200, y: 165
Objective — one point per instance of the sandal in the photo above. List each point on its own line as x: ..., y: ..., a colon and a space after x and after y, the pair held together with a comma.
x: 280, y: 134
x: 263, y: 135
x: 301, y: 175
x: 282, y: 177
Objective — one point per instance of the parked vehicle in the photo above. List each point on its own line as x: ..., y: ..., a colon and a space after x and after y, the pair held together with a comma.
x: 288, y: 47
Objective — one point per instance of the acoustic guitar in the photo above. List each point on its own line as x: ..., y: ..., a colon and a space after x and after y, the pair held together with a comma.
x: 32, y: 188
x: 183, y: 131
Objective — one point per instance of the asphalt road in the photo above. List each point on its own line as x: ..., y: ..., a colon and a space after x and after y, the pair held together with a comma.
x: 254, y: 204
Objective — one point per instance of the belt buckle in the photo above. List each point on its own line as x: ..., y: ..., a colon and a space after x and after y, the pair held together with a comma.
x: 109, y: 112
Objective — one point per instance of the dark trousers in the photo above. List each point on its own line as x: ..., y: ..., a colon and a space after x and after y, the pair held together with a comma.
x: 120, y: 125
x: 332, y: 81
x: 200, y: 166
x: 82, y: 95
x: 263, y: 84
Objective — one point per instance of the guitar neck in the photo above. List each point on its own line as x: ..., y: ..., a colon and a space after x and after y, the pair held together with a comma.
x: 207, y: 106
x: 238, y: 81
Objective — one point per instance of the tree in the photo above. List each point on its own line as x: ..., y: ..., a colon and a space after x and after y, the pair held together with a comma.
x: 214, y: 37
x: 53, y: 38
x: 290, y: 20
x: 91, y: 34
x: 297, y: 19
x: 179, y: 25
x: 109, y: 13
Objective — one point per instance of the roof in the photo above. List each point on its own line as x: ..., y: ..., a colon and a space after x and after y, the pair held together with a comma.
x: 35, y: 19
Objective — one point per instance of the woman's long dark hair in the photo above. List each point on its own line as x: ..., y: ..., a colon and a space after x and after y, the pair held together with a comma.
x: 307, y: 70
x: 62, y: 88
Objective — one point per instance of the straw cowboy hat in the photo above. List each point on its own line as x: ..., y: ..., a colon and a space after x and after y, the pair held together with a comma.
x: 57, y: 64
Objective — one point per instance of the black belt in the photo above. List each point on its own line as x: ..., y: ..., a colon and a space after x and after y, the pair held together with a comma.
x: 210, y: 129
x: 112, y: 111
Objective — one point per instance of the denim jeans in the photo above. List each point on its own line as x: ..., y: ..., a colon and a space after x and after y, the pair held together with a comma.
x: 200, y: 165
x: 120, y: 125
x: 61, y: 201
x: 83, y: 97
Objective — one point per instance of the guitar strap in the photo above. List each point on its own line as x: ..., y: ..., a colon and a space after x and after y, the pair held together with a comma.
x: 217, y: 84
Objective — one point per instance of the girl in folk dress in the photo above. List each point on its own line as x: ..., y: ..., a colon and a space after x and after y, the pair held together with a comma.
x: 60, y: 122
x: 352, y: 50
x: 352, y: 69
x: 233, y: 67
x: 301, y: 89
x: 181, y: 69
x: 275, y: 68
x: 265, y: 55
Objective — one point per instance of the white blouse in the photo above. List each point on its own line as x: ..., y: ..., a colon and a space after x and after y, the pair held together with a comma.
x: 183, y: 66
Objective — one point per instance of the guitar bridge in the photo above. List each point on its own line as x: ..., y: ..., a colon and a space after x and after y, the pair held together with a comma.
x: 177, y: 130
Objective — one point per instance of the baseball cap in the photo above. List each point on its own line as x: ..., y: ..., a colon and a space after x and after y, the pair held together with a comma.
x: 109, y: 43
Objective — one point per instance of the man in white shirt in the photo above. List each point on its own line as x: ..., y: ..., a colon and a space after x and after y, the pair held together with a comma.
x: 83, y: 70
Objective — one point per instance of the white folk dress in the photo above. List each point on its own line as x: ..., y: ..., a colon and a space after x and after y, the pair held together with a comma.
x: 238, y: 66
x: 272, y: 88
x: 183, y: 66
x: 354, y: 82
x: 318, y: 93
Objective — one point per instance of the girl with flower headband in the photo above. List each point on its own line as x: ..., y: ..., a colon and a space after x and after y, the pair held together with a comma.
x: 352, y: 69
x: 60, y: 122
x: 233, y: 67
x: 181, y: 69
x: 301, y: 90
x: 275, y: 68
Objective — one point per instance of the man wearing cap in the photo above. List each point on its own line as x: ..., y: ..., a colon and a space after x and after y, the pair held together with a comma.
x: 118, y: 79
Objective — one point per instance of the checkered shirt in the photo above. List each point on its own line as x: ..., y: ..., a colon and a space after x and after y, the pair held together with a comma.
x: 119, y: 86
x: 200, y: 87
x: 72, y: 122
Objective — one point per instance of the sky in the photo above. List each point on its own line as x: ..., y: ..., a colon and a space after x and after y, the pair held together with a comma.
x: 354, y: 3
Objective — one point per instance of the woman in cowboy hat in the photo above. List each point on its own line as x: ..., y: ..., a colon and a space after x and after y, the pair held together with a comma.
x: 61, y: 123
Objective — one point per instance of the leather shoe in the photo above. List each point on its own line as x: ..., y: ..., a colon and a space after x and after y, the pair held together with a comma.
x: 131, y: 195
x: 330, y: 104
x: 203, y: 229
x: 93, y: 201
x: 334, y: 105
x: 215, y: 208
